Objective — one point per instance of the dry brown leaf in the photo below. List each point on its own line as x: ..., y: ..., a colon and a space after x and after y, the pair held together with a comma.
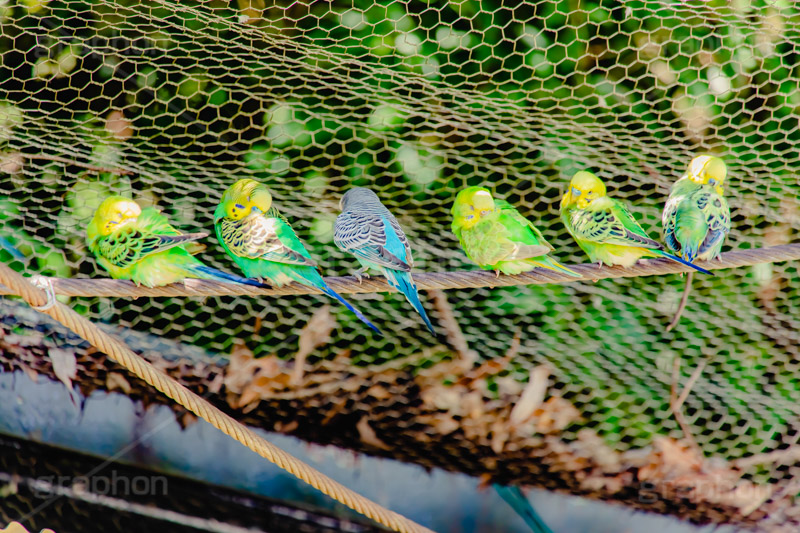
x: 31, y: 373
x: 241, y: 368
x: 379, y: 392
x: 11, y: 162
x: 368, y: 435
x: 489, y: 368
x: 555, y: 415
x: 473, y: 406
x: 249, y: 379
x: 533, y: 395
x: 118, y: 126
x: 16, y: 527
x: 65, y: 368
x: 316, y: 333
x: 445, y: 425
x: 500, y: 434
x: 186, y: 419
x: 286, y: 427
x: 442, y: 397
x: 115, y: 380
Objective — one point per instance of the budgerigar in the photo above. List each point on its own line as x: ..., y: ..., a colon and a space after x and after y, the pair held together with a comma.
x: 604, y: 228
x: 696, y: 218
x: 7, y: 246
x: 497, y: 237
x: 366, y: 229
x: 263, y: 244
x: 141, y: 245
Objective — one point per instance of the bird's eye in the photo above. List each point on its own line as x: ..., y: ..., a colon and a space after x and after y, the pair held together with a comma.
x: 483, y: 213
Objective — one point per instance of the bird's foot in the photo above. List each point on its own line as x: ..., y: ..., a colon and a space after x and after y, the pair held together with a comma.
x: 497, y: 273
x: 360, y: 274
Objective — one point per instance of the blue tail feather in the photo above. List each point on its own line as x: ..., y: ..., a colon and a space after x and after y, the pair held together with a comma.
x: 403, y: 283
x: 687, y: 263
x: 513, y: 496
x: 218, y: 275
x: 333, y: 294
x: 6, y: 244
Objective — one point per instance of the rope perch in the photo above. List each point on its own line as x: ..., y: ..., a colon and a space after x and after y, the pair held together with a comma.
x: 463, y: 279
x: 119, y: 352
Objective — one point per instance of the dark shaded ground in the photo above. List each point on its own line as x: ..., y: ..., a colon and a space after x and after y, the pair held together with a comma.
x: 55, y: 486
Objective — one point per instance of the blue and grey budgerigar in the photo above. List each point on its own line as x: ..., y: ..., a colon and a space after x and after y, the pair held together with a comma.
x: 366, y: 229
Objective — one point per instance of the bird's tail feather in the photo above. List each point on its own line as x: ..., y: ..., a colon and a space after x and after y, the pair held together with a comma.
x: 551, y: 264
x: 404, y: 283
x: 207, y: 272
x: 333, y: 294
x: 513, y: 496
x: 683, y: 262
x: 6, y: 244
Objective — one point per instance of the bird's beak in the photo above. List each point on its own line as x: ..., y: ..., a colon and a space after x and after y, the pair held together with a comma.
x: 575, y: 192
x: 712, y: 182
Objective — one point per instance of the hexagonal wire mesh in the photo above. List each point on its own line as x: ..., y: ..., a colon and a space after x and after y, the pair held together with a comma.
x: 416, y: 101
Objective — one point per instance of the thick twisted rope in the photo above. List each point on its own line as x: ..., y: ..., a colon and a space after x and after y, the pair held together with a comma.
x: 135, y: 364
x: 464, y: 279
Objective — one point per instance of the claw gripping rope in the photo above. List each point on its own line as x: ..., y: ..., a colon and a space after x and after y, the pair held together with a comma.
x: 119, y: 352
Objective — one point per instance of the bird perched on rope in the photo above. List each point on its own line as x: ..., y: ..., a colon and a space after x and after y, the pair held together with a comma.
x: 497, y: 237
x: 141, y: 245
x: 263, y: 244
x: 697, y: 218
x: 366, y: 229
x: 604, y: 228
x: 7, y: 246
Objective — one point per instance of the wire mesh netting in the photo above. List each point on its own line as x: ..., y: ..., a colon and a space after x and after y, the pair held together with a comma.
x: 417, y: 100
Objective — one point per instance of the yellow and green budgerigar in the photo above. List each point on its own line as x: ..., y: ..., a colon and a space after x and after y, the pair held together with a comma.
x: 263, y: 244
x: 604, y: 228
x: 697, y: 218
x: 141, y: 245
x: 497, y: 237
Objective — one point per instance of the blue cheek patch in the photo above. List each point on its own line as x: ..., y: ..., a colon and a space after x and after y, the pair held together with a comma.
x: 240, y: 206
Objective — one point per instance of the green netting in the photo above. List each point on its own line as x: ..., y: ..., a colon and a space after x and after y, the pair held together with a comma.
x: 417, y: 100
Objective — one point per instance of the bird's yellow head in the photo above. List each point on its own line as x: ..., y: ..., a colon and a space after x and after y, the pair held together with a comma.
x: 242, y: 198
x: 470, y: 206
x: 584, y: 188
x: 708, y: 170
x: 114, y: 213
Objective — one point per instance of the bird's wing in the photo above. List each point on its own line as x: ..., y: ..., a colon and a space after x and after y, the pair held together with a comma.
x: 131, y: 244
x: 264, y: 236
x: 521, y: 230
x: 718, y: 217
x: 374, y: 238
x: 487, y: 242
x: 609, y: 222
